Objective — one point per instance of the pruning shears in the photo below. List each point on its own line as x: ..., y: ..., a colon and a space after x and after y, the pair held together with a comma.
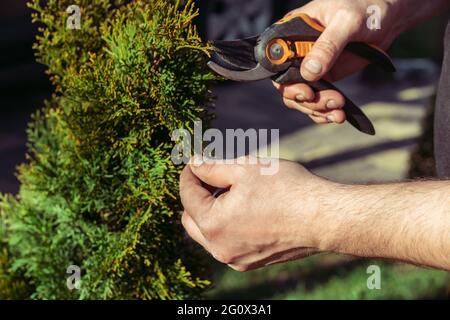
x: 278, y: 53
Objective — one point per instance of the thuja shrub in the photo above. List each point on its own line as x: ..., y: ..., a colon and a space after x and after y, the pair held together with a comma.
x: 99, y: 190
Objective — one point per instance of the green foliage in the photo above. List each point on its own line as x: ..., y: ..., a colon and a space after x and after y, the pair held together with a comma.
x: 100, y: 190
x: 12, y: 286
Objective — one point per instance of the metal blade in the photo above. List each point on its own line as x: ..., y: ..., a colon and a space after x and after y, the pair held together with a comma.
x: 238, y: 54
x: 231, y: 64
x: 257, y: 73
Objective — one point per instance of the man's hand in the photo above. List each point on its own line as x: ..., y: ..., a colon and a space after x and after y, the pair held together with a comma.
x: 261, y: 220
x: 346, y: 21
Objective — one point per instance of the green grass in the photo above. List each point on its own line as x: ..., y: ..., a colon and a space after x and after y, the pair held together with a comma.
x: 329, y: 277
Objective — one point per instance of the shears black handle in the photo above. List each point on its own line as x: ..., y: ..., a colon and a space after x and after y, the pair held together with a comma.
x: 293, y: 37
x: 287, y: 42
x: 354, y: 115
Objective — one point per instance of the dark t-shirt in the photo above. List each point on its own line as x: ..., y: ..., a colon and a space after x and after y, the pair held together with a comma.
x: 442, y: 121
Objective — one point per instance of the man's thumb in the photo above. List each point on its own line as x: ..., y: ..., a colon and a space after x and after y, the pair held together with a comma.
x: 218, y: 174
x: 325, y: 51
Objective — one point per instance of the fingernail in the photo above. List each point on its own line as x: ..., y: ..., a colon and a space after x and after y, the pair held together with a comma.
x: 313, y: 66
x: 300, y: 97
x: 331, y: 118
x: 331, y: 104
x: 196, y: 160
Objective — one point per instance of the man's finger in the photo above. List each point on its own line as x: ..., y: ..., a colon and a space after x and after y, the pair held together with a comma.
x: 329, y: 46
x: 300, y: 91
x: 319, y: 120
x: 326, y: 116
x: 193, y: 230
x: 220, y: 174
x: 335, y: 116
x: 325, y: 101
x: 291, y: 104
x: 196, y: 199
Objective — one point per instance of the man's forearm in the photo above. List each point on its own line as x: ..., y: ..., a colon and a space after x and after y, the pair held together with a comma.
x: 408, y: 222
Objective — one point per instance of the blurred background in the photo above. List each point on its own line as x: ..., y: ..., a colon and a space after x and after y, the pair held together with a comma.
x: 23, y: 87
x: 400, y: 105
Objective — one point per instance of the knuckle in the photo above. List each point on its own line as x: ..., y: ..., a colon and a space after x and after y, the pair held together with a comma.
x: 239, y: 267
x: 327, y: 47
x: 349, y: 12
x: 210, y: 229
x: 208, y: 169
x: 223, y: 256
x: 353, y: 16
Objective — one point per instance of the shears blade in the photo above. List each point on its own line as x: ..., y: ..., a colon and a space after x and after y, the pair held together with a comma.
x: 257, y: 73
x: 235, y: 54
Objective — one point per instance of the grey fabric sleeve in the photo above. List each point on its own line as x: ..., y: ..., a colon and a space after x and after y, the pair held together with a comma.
x: 442, y: 120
